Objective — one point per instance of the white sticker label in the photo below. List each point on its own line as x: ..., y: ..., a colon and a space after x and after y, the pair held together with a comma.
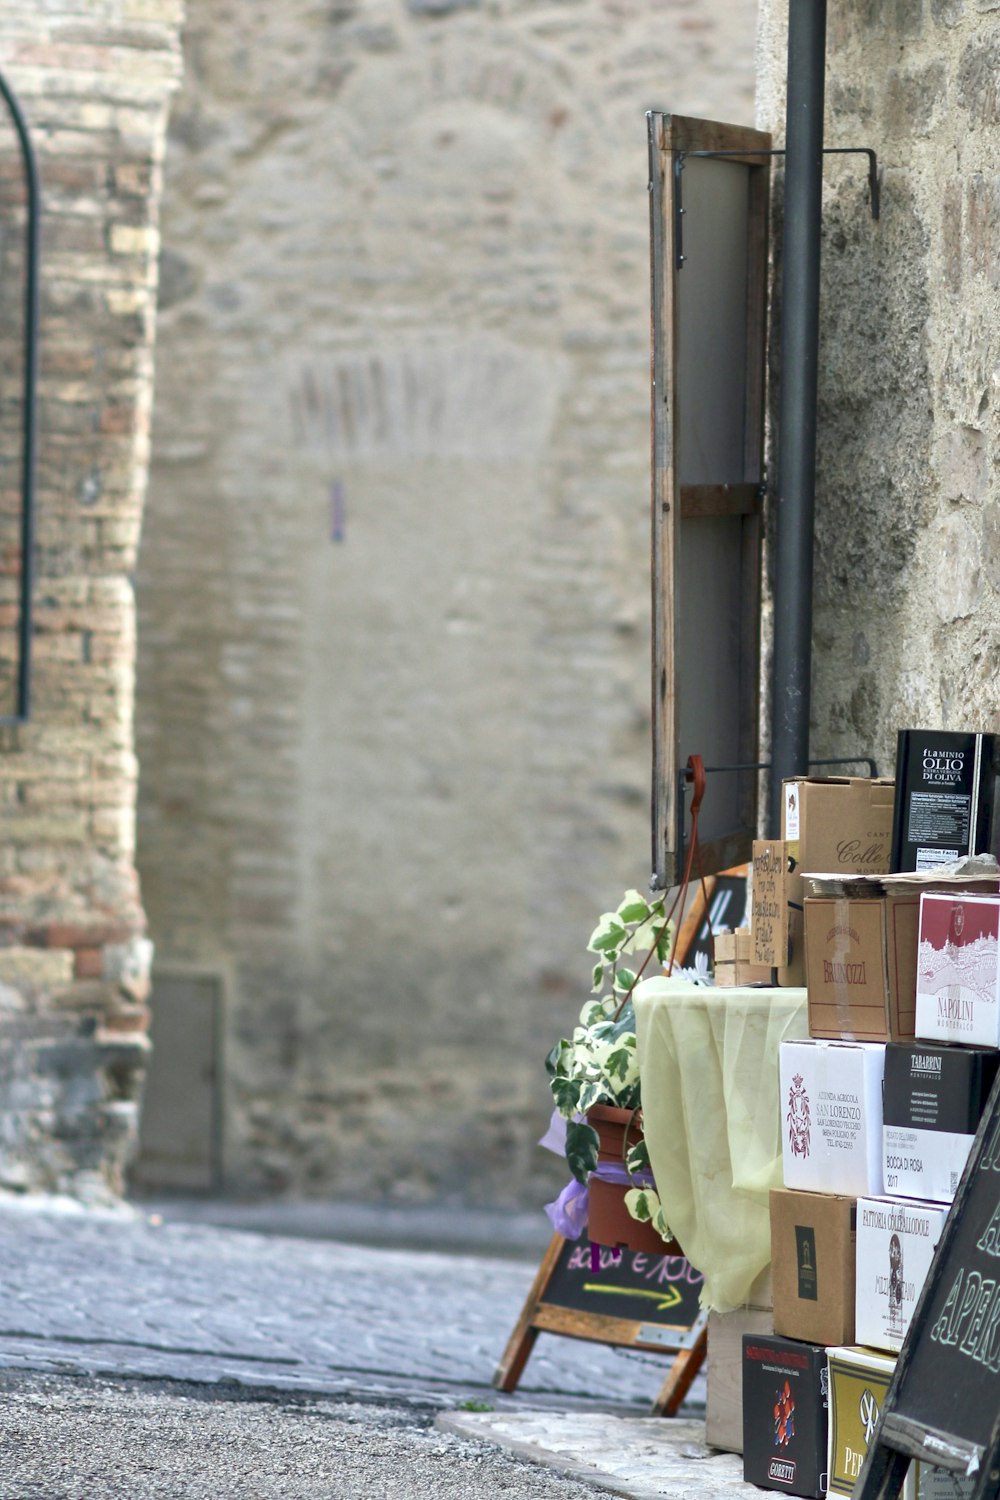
x: 792, y: 798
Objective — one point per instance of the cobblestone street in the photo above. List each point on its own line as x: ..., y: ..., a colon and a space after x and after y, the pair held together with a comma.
x: 222, y: 1331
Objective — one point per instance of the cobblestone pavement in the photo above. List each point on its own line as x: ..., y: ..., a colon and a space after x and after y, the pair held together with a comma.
x: 102, y: 1293
x: 128, y: 1296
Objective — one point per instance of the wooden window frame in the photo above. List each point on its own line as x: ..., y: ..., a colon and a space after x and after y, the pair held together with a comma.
x: 672, y: 503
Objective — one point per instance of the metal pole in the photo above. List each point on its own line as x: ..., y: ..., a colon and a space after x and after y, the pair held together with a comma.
x: 798, y: 377
x: 28, y: 418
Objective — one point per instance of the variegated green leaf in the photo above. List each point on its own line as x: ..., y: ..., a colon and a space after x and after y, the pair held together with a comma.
x: 634, y: 908
x: 558, y: 1058
x: 592, y: 1091
x: 637, y: 1157
x: 638, y: 1204
x: 661, y: 1226
x: 582, y: 1144
x: 608, y: 935
x: 566, y: 1093
x: 620, y: 1064
x: 591, y: 1014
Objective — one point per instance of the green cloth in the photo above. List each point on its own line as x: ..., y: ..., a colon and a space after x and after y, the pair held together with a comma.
x: 708, y: 1061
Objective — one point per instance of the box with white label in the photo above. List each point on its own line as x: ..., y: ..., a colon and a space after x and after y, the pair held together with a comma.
x: 958, y: 969
x: 932, y: 1101
x: 831, y: 1097
x: 896, y: 1240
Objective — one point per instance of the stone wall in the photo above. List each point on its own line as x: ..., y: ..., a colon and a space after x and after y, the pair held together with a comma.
x: 94, y: 81
x: 907, y: 616
x: 393, y: 694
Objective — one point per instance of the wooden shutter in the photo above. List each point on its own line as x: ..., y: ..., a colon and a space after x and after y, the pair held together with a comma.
x: 709, y: 187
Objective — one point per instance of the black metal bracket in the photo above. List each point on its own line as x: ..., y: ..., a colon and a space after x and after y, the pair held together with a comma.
x: 684, y: 777
x: 874, y: 183
x: 28, y: 426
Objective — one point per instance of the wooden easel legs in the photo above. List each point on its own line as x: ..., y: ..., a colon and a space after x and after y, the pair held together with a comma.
x: 682, y: 1372
x: 535, y: 1317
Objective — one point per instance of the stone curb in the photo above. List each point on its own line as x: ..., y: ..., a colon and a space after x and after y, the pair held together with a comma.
x: 641, y: 1458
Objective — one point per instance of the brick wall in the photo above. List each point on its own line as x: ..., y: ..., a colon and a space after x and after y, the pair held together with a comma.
x: 94, y: 81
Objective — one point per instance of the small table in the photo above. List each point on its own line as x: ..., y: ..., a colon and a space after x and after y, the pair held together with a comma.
x: 708, y: 1061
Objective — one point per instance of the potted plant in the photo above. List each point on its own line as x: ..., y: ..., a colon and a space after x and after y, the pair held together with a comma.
x: 594, y: 1078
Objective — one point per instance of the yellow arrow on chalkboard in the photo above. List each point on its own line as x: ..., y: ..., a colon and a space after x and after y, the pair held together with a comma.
x: 664, y: 1300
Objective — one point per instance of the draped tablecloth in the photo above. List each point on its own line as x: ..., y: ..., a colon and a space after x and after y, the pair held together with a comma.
x: 708, y: 1062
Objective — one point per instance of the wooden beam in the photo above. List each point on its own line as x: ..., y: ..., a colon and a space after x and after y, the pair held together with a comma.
x: 719, y: 500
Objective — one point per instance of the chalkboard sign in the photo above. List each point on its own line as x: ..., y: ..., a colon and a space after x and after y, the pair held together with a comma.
x: 641, y: 1301
x: 943, y: 1403
x: 726, y: 910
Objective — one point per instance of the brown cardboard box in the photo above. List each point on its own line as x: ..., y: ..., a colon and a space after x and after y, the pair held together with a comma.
x: 813, y: 1265
x: 861, y: 966
x: 833, y: 824
x: 724, y: 1395
x: 734, y: 965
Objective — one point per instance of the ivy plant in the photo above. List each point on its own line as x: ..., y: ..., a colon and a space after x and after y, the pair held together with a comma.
x: 598, y: 1064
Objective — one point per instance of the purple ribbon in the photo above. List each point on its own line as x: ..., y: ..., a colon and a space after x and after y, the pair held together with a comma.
x: 568, y: 1213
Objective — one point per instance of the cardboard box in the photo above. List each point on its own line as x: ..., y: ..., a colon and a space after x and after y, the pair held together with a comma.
x: 724, y: 1380
x: 785, y: 1412
x: 831, y: 1096
x: 861, y: 965
x: 812, y: 1265
x: 859, y: 1379
x: 840, y: 824
x: 896, y: 1241
x: 958, y: 969
x: 932, y: 1100
x: 734, y: 965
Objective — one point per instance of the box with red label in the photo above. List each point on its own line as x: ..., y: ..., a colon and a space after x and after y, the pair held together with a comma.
x: 958, y: 969
x: 785, y: 1385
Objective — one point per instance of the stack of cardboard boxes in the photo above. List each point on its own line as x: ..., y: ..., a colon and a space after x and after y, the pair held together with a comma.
x: 880, y: 1107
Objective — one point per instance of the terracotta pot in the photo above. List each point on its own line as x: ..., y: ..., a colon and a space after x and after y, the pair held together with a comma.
x: 611, y: 1123
x: 608, y: 1220
x: 610, y: 1223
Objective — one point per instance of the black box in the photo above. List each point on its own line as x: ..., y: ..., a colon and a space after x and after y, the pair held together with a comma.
x: 785, y: 1411
x: 946, y: 797
x: 933, y: 1096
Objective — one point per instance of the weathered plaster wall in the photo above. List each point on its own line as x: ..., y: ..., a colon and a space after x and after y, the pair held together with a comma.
x: 94, y: 80
x: 907, y: 617
x: 393, y: 689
